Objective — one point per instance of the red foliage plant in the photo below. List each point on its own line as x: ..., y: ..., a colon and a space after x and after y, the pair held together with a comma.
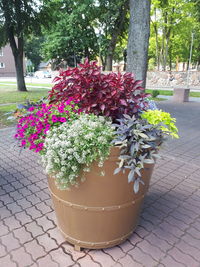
x: 112, y: 94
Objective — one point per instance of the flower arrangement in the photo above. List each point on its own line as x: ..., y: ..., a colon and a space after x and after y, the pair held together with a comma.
x: 73, y: 146
x: 87, y: 112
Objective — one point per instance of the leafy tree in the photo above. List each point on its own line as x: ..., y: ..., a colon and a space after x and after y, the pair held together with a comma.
x: 172, y: 22
x: 71, y: 34
x: 197, y: 32
x: 17, y: 19
x: 112, y: 21
x: 33, y: 51
x: 85, y: 29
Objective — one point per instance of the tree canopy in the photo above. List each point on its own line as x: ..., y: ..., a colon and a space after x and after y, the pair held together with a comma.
x: 66, y: 31
x: 87, y: 29
x: 172, y: 23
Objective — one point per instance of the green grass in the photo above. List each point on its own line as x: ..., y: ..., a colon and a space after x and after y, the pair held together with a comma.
x: 4, y: 122
x: 162, y: 92
x: 158, y: 98
x: 50, y: 85
x: 9, y: 94
x: 170, y: 93
x: 195, y: 94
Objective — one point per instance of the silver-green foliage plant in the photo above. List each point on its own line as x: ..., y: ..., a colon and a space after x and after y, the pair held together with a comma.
x: 73, y: 146
x: 138, y: 141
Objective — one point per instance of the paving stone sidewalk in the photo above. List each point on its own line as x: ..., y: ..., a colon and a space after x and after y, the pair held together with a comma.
x: 169, y: 230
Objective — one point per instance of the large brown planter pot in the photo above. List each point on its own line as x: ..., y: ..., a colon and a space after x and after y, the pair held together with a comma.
x: 103, y: 211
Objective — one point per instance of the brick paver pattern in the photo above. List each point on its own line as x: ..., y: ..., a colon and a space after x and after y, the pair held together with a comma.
x: 168, y: 233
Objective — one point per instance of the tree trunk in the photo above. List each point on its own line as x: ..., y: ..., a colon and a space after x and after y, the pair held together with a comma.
x: 170, y: 58
x: 138, y: 40
x: 109, y: 59
x: 117, y: 31
x: 166, y: 51
x: 103, y: 62
x: 157, y: 42
x: 18, y: 53
x: 157, y: 52
x: 177, y: 63
x: 21, y: 86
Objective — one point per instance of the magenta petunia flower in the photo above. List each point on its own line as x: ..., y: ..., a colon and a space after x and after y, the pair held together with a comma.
x: 54, y: 118
x: 39, y: 113
x: 33, y: 146
x: 31, y: 109
x: 34, y: 127
x: 62, y: 119
x: 34, y: 136
x: 23, y: 142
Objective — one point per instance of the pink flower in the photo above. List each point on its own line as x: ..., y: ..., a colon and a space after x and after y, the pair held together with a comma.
x: 39, y: 147
x: 39, y: 113
x: 23, y: 142
x: 69, y: 101
x: 21, y: 135
x: 34, y: 136
x: 31, y: 109
x: 21, y: 120
x: 25, y: 126
x: 44, y: 105
x: 61, y: 108
x: 33, y: 146
x: 54, y: 118
x: 62, y: 119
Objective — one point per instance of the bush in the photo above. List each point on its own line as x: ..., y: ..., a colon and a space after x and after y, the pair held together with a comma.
x: 155, y: 93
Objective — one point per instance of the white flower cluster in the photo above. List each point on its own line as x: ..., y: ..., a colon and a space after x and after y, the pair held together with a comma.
x: 73, y: 146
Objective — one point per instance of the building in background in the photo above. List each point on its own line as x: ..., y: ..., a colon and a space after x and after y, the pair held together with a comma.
x: 7, y: 63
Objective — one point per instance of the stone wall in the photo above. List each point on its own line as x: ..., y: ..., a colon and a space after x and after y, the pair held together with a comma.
x: 162, y: 78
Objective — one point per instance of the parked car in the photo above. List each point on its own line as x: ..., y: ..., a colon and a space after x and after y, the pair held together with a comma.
x: 42, y: 74
x: 29, y: 74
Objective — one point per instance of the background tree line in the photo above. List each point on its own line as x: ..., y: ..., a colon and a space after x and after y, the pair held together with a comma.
x: 66, y: 31
x: 101, y: 29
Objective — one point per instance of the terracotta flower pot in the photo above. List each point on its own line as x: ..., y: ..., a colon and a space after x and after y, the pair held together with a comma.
x: 103, y: 211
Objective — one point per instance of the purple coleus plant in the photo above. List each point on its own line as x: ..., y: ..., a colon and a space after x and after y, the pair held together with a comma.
x: 112, y: 94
